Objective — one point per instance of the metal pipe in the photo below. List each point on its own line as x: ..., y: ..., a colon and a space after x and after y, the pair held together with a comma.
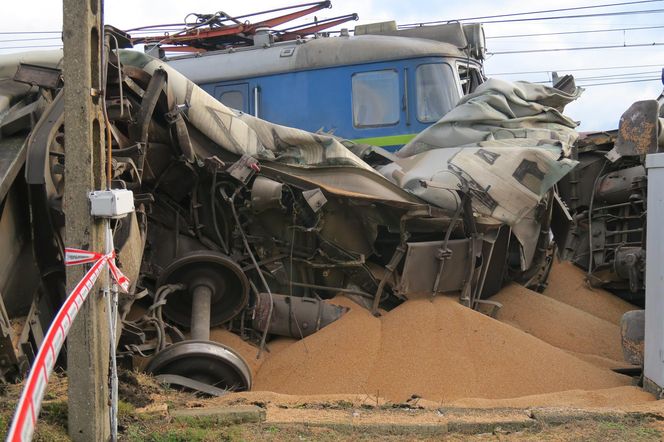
x: 256, y: 101
x: 332, y: 289
x: 622, y: 232
x: 614, y: 206
x: 200, y: 313
x: 590, y: 218
x: 406, y: 106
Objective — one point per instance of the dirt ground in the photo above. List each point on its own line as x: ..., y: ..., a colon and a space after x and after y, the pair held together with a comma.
x: 147, y: 414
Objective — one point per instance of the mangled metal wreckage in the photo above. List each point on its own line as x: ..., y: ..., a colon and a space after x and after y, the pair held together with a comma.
x: 606, y: 196
x: 252, y: 225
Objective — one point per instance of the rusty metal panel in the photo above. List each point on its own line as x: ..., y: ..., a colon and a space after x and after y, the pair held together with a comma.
x: 638, y: 130
x: 422, y: 265
x: 41, y: 76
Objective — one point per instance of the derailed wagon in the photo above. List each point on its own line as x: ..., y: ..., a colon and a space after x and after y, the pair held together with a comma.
x: 249, y: 224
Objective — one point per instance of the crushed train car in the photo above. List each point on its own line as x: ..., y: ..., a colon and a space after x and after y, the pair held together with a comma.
x: 253, y: 225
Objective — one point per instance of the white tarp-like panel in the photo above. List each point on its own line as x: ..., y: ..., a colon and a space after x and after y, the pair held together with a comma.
x: 506, y: 183
x: 506, y: 144
x: 502, y: 110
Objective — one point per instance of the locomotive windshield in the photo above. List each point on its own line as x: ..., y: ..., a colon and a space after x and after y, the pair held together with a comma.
x: 437, y: 91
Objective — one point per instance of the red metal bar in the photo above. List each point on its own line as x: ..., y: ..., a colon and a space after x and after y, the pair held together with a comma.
x: 271, y: 23
x: 293, y: 35
x: 246, y: 29
x: 189, y: 49
x: 324, y: 4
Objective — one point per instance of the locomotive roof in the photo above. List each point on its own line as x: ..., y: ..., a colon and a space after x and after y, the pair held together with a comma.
x: 306, y: 55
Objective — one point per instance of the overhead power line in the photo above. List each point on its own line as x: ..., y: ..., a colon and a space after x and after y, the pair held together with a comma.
x: 620, y: 82
x: 589, y: 31
x: 13, y: 40
x: 29, y: 32
x: 556, y: 17
x: 30, y: 47
x: 622, y: 76
x: 579, y: 80
x: 543, y: 11
x: 602, y: 68
x: 561, y: 17
x: 582, y: 48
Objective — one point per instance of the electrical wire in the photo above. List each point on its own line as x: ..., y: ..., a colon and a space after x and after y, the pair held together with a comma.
x: 588, y: 31
x: 624, y: 76
x: 29, y: 32
x: 29, y: 39
x: 555, y: 17
x: 619, y: 82
x: 578, y: 69
x: 581, y: 48
x: 231, y: 201
x: 544, y: 11
x: 562, y: 17
x: 31, y: 47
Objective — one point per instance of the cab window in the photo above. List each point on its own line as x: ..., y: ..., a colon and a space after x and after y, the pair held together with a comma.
x: 233, y: 99
x: 375, y: 98
x: 470, y: 78
x: 437, y: 91
x: 235, y: 96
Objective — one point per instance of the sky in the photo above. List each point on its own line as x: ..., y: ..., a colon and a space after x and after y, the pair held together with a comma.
x: 599, y: 108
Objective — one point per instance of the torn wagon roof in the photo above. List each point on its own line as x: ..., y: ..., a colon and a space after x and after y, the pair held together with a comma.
x: 241, y: 133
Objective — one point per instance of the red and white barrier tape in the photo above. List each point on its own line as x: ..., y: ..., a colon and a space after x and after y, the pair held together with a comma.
x: 25, y: 419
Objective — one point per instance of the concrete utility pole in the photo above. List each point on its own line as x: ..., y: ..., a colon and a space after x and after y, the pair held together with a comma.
x: 88, y: 342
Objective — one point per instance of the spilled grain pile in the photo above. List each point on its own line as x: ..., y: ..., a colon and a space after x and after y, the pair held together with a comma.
x: 567, y: 284
x: 609, y: 397
x: 559, y: 324
x: 438, y: 350
x: 336, y: 359
x: 248, y: 352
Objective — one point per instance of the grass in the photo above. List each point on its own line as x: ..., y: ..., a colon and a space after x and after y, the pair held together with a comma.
x: 156, y: 430
x: 630, y: 429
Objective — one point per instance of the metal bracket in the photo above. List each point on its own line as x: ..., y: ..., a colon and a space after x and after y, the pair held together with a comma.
x: 192, y: 384
x: 244, y: 168
x: 315, y: 198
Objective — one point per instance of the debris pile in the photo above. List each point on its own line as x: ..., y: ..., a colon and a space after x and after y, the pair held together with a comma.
x: 567, y: 283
